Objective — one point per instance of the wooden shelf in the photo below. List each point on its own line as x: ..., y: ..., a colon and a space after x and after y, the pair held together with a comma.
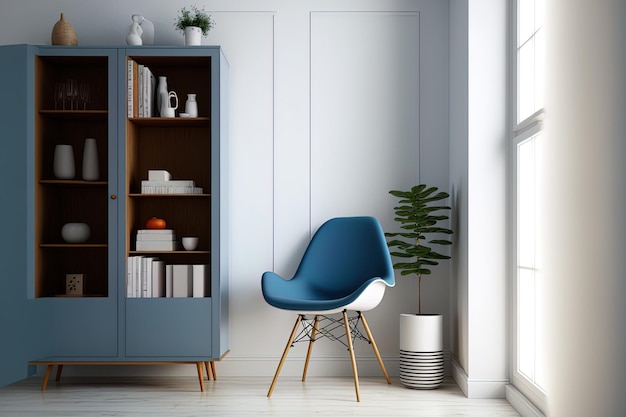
x: 176, y: 252
x: 78, y: 183
x: 171, y: 121
x: 73, y: 245
x: 138, y: 195
x: 76, y: 114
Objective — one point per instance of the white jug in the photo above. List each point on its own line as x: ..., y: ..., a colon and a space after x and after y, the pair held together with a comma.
x: 167, y: 109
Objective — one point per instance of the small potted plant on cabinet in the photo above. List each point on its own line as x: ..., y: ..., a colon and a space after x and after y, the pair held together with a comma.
x: 421, y: 335
x: 194, y: 23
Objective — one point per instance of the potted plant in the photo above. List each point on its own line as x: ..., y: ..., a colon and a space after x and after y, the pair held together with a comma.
x: 421, y: 335
x: 194, y: 23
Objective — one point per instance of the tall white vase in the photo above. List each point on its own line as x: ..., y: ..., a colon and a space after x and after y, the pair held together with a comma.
x: 161, y: 93
x: 421, y: 350
x: 91, y: 171
x: 63, y: 164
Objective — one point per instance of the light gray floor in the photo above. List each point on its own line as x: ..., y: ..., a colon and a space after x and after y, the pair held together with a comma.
x: 230, y: 396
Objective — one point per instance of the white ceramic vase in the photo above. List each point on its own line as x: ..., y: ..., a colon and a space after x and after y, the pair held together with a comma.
x: 421, y: 350
x: 63, y: 165
x: 161, y: 93
x: 193, y: 35
x: 91, y: 171
x: 191, y: 105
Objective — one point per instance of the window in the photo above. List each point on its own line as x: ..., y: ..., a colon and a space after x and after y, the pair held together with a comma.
x: 527, y: 373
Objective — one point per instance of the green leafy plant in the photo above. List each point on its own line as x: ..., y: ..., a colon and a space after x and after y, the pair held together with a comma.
x: 194, y: 17
x: 418, y: 217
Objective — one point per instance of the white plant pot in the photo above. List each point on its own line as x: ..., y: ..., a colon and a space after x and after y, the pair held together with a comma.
x: 193, y: 35
x: 421, y: 350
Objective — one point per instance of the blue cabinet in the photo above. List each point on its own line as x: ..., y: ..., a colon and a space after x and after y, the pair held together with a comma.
x: 63, y: 96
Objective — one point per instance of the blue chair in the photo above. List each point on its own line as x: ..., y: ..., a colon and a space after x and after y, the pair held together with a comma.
x: 346, y: 267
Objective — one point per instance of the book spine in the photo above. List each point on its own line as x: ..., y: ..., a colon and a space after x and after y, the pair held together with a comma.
x: 140, y: 92
x: 137, y: 278
x: 158, y: 245
x: 158, y: 279
x: 169, y: 284
x: 199, y: 280
x: 182, y: 285
x: 129, y: 87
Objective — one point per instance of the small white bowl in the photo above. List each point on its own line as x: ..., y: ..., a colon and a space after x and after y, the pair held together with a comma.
x: 190, y: 243
x: 183, y: 115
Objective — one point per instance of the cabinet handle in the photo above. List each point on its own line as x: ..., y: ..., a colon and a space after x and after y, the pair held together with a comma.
x: 113, y: 197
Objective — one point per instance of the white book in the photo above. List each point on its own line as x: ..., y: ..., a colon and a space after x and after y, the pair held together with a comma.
x: 156, y: 231
x: 129, y: 87
x: 181, y: 281
x: 168, y: 280
x: 152, y: 91
x: 129, y: 277
x: 140, y: 91
x: 146, y: 277
x: 159, y: 175
x: 156, y: 237
x: 137, y: 277
x: 158, y: 278
x: 155, y: 245
x: 173, y: 183
x: 168, y: 189
x: 199, y: 280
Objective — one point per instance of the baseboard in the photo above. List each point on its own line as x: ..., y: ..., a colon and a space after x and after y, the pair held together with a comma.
x: 323, y: 364
x: 478, y: 388
x: 521, y: 403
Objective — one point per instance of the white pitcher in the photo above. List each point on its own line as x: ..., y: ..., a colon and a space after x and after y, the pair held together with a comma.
x: 167, y: 109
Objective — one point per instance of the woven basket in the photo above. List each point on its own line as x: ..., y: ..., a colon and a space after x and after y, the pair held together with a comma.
x: 63, y: 33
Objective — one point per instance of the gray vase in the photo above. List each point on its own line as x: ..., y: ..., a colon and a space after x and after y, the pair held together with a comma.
x: 63, y: 166
x: 90, y: 160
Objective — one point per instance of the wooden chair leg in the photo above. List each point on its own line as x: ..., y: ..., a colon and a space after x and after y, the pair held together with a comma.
x: 282, y: 359
x: 316, y: 324
x: 352, y: 358
x: 200, y: 376
x: 376, y: 352
x: 46, y: 377
x: 59, y: 370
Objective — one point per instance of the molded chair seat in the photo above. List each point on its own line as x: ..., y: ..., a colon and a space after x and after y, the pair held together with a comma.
x: 346, y: 267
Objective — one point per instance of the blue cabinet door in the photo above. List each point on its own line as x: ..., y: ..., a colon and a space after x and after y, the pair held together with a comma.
x: 169, y: 328
x: 18, y: 325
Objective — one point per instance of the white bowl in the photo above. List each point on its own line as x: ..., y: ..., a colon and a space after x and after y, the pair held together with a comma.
x: 183, y: 115
x: 190, y: 243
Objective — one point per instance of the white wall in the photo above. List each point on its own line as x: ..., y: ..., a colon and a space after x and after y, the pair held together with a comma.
x: 478, y: 155
x: 333, y: 104
x: 585, y: 202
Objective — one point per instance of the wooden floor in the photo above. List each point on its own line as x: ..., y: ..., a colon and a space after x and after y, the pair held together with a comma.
x: 229, y: 396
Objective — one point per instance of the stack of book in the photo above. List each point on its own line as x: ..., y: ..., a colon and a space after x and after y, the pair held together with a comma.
x: 149, y: 277
x: 156, y: 240
x: 160, y: 182
x: 141, y: 90
x: 170, y: 187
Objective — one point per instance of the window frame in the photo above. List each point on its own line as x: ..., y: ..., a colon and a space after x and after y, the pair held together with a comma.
x: 520, y: 132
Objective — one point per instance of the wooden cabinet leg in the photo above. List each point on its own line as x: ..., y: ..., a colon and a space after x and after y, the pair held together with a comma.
x: 213, y: 371
x: 46, y: 377
x: 200, y: 376
x: 59, y: 370
x: 207, y: 365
